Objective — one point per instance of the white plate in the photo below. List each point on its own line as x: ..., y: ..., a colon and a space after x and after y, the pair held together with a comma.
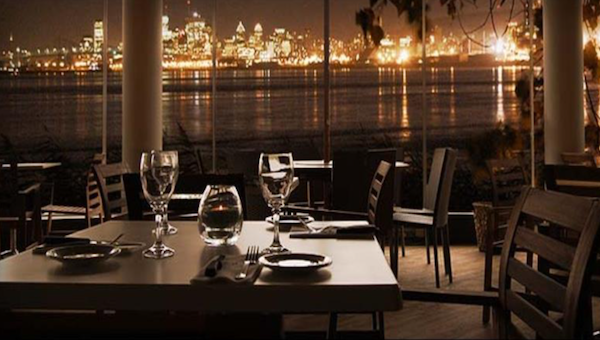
x: 295, y: 262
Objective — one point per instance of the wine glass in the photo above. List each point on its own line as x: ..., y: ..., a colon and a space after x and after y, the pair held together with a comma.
x: 158, y: 172
x: 276, y: 175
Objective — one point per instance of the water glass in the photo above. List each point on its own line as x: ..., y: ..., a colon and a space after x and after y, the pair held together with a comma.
x: 220, y: 216
x: 159, y: 171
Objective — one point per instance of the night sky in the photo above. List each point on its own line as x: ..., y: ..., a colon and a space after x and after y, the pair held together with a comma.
x: 58, y: 23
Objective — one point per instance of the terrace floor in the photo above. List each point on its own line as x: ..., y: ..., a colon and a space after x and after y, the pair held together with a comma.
x: 426, y: 320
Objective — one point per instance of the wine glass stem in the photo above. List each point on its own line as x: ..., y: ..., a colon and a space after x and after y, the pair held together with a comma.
x: 159, y: 231
x: 276, y: 212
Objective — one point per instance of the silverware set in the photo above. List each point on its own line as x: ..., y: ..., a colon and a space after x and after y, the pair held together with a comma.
x: 252, y: 256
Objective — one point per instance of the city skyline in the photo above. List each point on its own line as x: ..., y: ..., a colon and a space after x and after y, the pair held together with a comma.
x: 41, y: 23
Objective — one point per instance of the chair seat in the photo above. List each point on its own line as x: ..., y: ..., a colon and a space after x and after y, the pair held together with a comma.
x: 63, y: 209
x: 416, y: 219
x: 423, y: 211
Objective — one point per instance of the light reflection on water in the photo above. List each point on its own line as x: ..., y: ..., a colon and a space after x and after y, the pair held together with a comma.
x: 254, y: 105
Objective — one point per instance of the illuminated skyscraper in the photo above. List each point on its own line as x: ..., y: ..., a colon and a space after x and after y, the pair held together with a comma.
x: 199, y: 35
x: 98, y: 36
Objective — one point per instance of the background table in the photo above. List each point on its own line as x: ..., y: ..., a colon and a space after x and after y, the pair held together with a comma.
x: 359, y: 280
x: 33, y: 166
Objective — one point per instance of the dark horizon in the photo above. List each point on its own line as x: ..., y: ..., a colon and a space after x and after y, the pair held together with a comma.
x: 57, y: 23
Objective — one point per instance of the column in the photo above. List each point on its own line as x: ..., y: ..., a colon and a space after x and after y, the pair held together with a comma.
x: 563, y: 78
x: 142, y: 79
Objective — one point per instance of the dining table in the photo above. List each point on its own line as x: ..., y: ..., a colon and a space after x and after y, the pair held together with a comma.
x: 358, y: 280
x: 319, y: 170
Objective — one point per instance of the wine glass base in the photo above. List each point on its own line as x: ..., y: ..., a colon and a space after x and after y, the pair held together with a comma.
x: 158, y: 252
x: 274, y: 250
x: 169, y: 230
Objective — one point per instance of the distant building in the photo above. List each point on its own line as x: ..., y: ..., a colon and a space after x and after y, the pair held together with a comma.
x: 98, y: 36
x: 199, y: 38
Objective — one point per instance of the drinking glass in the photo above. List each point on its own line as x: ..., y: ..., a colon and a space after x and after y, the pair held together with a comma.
x: 159, y: 171
x: 276, y: 175
x: 220, y: 216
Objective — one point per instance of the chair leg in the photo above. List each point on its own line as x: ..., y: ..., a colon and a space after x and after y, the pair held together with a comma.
x: 49, y: 224
x: 487, y: 278
x: 374, y: 321
x: 427, y: 245
x: 332, y: 333
x: 394, y: 251
x: 402, y: 235
x: 381, y: 325
x: 447, y: 256
x: 435, y: 256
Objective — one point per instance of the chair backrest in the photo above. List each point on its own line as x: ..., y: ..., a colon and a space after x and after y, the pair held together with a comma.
x: 94, y: 208
x: 352, y: 173
x: 578, y: 158
x: 112, y: 189
x: 444, y: 188
x: 543, y: 291
x: 508, y: 178
x: 574, y: 180
x: 376, y: 200
x: 433, y: 183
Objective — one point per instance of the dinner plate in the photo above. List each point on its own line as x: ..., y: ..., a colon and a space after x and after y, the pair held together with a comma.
x: 292, y: 219
x: 87, y: 254
x: 295, y: 262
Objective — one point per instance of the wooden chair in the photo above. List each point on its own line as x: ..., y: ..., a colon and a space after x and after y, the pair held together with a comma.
x: 112, y: 189
x: 19, y: 209
x: 375, y: 203
x: 508, y: 178
x: 442, y: 174
x: 578, y: 158
x: 570, y: 299
x: 93, y: 201
x: 429, y: 198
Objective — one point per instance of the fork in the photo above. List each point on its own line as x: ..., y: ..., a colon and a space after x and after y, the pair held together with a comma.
x: 251, y: 258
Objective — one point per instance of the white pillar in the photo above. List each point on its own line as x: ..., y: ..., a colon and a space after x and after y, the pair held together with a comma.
x: 563, y: 78
x: 142, y: 79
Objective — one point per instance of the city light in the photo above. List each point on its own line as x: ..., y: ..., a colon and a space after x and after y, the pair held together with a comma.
x: 191, y: 47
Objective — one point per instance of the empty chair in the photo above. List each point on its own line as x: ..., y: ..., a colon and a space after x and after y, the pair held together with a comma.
x: 578, y: 158
x: 508, y: 179
x: 19, y: 209
x: 112, y: 189
x: 442, y: 174
x: 93, y: 200
x: 568, y: 298
x: 378, y: 200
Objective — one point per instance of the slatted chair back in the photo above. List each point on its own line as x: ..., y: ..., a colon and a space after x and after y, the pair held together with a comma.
x: 94, y: 208
x: 112, y: 189
x: 444, y: 186
x: 375, y: 212
x: 578, y: 158
x: 570, y: 297
x: 508, y: 178
x: 574, y: 180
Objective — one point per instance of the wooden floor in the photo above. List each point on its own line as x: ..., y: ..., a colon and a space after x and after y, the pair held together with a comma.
x: 424, y: 320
